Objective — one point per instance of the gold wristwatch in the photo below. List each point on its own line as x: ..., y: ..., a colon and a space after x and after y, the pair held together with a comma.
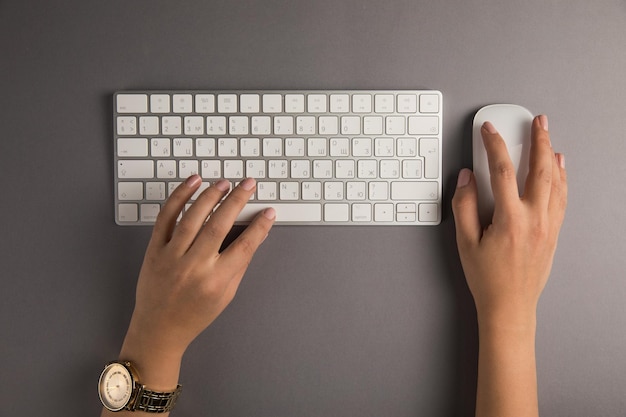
x: 119, y: 389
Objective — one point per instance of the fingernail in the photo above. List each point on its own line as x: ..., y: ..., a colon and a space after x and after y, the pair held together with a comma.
x: 222, y: 185
x: 193, y: 180
x: 543, y: 121
x: 248, y: 184
x: 561, y: 160
x: 464, y: 178
x: 269, y: 213
x: 490, y: 128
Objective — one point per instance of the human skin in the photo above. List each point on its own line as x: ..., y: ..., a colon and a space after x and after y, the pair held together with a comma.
x: 507, y: 265
x: 185, y: 281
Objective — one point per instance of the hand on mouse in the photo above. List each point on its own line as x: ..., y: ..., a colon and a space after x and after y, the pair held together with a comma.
x: 507, y: 266
x: 185, y: 281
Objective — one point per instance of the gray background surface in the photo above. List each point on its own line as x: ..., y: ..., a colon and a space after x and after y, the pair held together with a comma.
x: 328, y: 321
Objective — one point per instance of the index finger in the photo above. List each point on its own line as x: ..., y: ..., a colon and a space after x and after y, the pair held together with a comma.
x: 239, y: 254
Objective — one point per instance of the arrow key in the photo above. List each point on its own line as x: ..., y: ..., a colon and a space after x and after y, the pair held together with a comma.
x: 428, y: 212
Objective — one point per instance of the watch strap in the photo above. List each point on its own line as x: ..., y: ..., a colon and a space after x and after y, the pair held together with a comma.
x: 155, y: 402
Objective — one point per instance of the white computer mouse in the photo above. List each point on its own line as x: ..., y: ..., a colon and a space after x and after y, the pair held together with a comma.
x: 514, y: 123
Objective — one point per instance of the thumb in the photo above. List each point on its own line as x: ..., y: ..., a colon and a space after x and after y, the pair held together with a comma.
x: 465, y: 209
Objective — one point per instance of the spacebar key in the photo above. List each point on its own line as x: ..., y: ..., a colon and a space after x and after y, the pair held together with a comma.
x: 284, y: 212
x: 414, y: 190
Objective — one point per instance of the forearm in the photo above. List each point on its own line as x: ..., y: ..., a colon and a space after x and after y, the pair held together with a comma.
x: 507, y: 377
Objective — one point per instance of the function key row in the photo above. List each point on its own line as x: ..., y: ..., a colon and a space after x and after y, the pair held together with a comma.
x: 272, y: 103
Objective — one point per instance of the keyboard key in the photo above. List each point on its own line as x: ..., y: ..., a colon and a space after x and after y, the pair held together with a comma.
x: 311, y: 190
x: 132, y: 103
x: 127, y: 213
x: 350, y: 125
x: 407, y: 103
x: 294, y: 103
x: 149, y: 212
x: 183, y: 147
x: 272, y: 103
x: 339, y: 147
x: 383, y: 212
x: 171, y: 125
x: 429, y: 103
x: 294, y: 147
x: 160, y: 103
x: 155, y: 191
x: 362, y: 103
x: 126, y: 125
x: 250, y: 147
x: 423, y: 125
x: 316, y: 103
x: 261, y: 125
x: 238, y: 125
x: 182, y: 103
x: 289, y: 191
x: 187, y: 168
x: 227, y: 103
x: 328, y: 125
x: 429, y: 150
x: 127, y: 169
x: 414, y: 190
x: 166, y: 169
x: 378, y: 190
x: 339, y: 103
x: 205, y: 103
x: 336, y: 212
x: 130, y: 190
x: 194, y: 125
x: 384, y: 103
x: 428, y: 212
x: 132, y: 147
x: 395, y: 125
x: 373, y: 125
x: 292, y: 212
x: 250, y: 103
x: 362, y: 147
x: 283, y: 125
x: 362, y: 212
x: 160, y: 147
x: 149, y: 125
x: 216, y: 125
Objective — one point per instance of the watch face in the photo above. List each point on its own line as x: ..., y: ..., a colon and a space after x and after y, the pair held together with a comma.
x: 115, y: 386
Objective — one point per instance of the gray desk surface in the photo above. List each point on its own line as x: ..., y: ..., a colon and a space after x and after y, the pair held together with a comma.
x: 328, y: 321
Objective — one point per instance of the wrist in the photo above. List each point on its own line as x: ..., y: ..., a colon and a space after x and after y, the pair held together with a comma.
x: 157, y: 365
x: 520, y: 321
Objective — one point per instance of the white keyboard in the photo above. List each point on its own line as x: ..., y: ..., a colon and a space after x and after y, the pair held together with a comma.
x: 319, y: 157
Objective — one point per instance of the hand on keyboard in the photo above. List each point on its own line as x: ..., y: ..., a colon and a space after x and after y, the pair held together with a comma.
x: 185, y: 282
x: 341, y: 157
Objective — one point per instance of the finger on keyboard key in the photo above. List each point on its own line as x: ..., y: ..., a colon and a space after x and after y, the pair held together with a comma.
x: 284, y: 212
